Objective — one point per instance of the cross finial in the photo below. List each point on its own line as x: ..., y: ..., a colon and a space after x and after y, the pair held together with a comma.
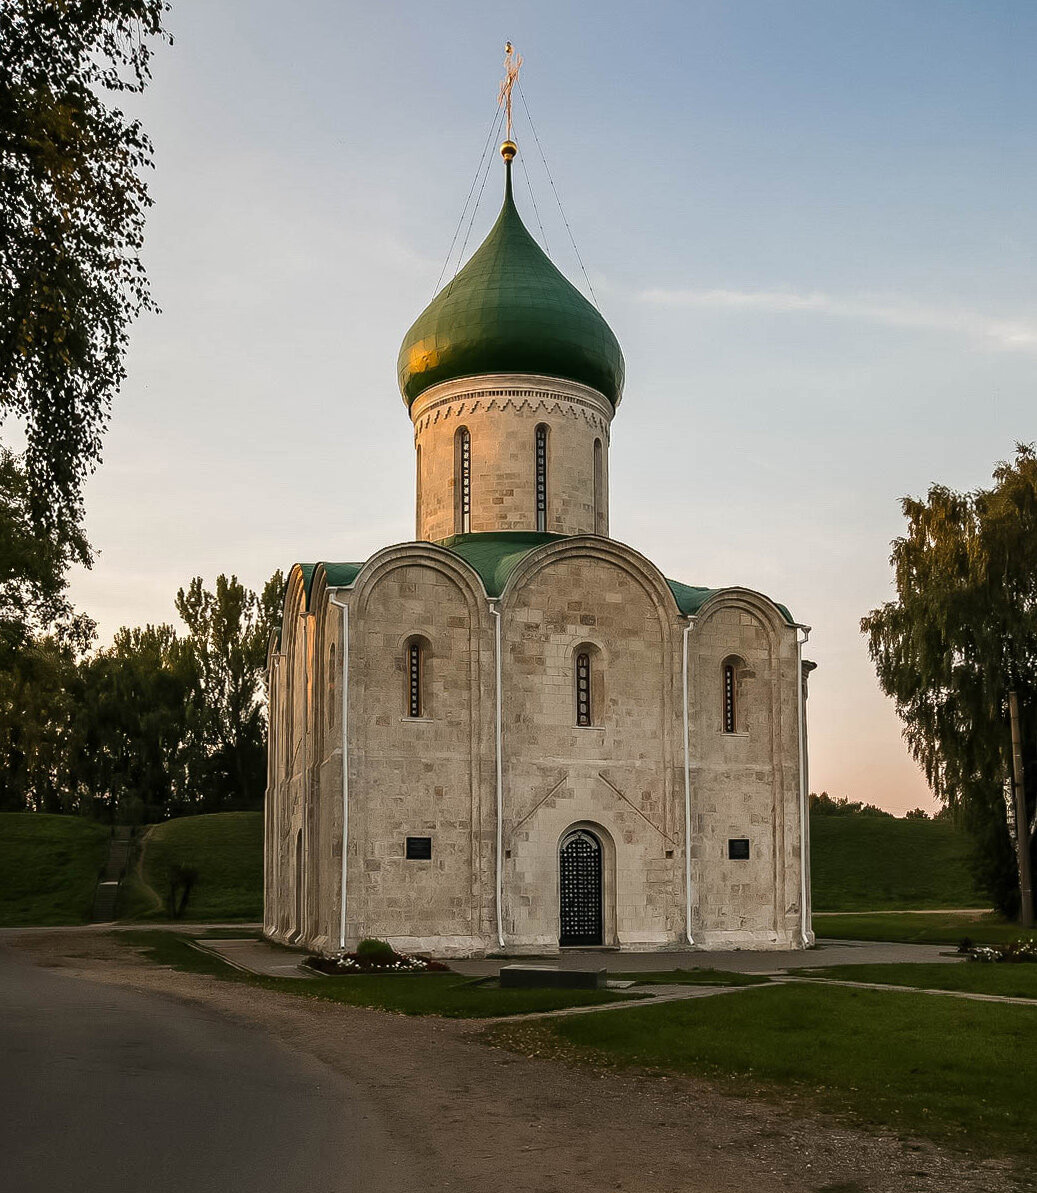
x: 512, y: 65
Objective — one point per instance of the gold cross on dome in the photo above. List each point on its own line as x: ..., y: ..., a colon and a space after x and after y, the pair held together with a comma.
x: 512, y: 65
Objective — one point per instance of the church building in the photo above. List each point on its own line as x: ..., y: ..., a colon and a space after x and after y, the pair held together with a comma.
x: 514, y: 734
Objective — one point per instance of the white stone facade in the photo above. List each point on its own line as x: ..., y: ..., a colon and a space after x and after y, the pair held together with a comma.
x: 496, y: 772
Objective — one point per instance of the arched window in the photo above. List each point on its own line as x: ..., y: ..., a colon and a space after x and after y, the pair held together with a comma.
x: 730, y: 698
x: 540, y: 457
x: 415, y: 669
x: 583, y: 688
x: 599, y: 489
x: 463, y: 486
x: 735, y: 695
x: 588, y: 681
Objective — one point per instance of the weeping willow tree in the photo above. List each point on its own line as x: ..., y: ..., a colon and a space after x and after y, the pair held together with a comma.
x: 960, y: 638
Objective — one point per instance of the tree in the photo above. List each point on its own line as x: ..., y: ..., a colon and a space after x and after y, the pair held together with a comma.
x: 959, y: 639
x: 39, y: 692
x: 825, y: 805
x: 33, y: 565
x: 228, y: 630
x: 72, y: 209
x: 132, y: 756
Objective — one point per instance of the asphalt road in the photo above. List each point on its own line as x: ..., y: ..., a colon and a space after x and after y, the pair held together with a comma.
x: 103, y: 1088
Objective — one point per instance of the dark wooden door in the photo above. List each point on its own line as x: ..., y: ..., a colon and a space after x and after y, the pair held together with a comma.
x: 579, y: 883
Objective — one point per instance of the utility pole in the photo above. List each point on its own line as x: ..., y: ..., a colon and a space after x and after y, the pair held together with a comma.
x: 1022, y: 821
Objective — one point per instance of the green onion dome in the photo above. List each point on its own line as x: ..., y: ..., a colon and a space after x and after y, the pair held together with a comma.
x: 510, y: 311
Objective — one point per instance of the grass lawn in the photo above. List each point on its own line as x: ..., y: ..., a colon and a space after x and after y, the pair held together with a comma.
x: 49, y: 868
x: 955, y: 1071
x: 691, y: 977
x: 1014, y: 981
x: 226, y: 849
x: 948, y: 928
x: 446, y: 994
x: 869, y: 863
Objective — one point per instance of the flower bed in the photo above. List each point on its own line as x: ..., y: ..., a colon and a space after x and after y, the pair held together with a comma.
x: 1016, y: 951
x: 353, y: 963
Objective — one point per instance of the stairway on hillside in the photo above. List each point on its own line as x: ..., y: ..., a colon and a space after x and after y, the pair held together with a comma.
x: 108, y: 888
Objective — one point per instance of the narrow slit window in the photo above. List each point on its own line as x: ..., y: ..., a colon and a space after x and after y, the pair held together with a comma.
x: 729, y: 698
x: 541, y: 478
x: 583, y: 688
x: 464, y: 481
x: 414, y: 678
x: 599, y: 489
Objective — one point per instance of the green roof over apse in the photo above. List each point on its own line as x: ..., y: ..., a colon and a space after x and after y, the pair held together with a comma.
x: 510, y: 311
x: 495, y: 556
x: 339, y: 575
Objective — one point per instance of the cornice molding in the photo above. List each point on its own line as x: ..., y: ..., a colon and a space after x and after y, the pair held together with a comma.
x: 514, y: 391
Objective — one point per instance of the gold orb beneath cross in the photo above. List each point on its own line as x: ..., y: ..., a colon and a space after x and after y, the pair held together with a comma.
x: 508, y: 150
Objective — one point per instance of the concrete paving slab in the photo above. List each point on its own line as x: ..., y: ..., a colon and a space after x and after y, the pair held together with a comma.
x: 258, y: 956
x: 828, y: 952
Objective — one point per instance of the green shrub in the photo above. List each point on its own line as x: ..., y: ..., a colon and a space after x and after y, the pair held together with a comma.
x: 378, y: 952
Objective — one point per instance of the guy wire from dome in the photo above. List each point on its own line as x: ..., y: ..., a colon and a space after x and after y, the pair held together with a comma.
x: 536, y: 209
x: 558, y: 199
x: 494, y: 125
x: 475, y: 211
x: 509, y: 309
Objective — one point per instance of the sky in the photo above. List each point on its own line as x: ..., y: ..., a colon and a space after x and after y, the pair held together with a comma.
x: 808, y: 223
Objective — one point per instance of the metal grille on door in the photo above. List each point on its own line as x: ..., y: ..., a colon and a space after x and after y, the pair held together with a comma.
x: 580, y: 890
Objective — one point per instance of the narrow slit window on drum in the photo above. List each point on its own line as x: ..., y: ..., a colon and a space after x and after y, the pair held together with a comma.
x: 464, y: 481
x: 541, y: 478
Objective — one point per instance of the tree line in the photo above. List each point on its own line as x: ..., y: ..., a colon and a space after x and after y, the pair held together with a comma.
x: 165, y: 721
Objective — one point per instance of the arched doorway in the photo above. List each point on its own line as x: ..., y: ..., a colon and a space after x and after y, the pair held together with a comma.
x: 579, y: 890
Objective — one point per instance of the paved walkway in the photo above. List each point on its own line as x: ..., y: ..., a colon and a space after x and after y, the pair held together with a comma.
x: 183, y: 926
x: 258, y: 956
x: 262, y: 957
x: 827, y: 952
x: 660, y: 994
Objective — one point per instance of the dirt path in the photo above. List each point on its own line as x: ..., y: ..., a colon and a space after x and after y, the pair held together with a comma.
x: 481, y: 1118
